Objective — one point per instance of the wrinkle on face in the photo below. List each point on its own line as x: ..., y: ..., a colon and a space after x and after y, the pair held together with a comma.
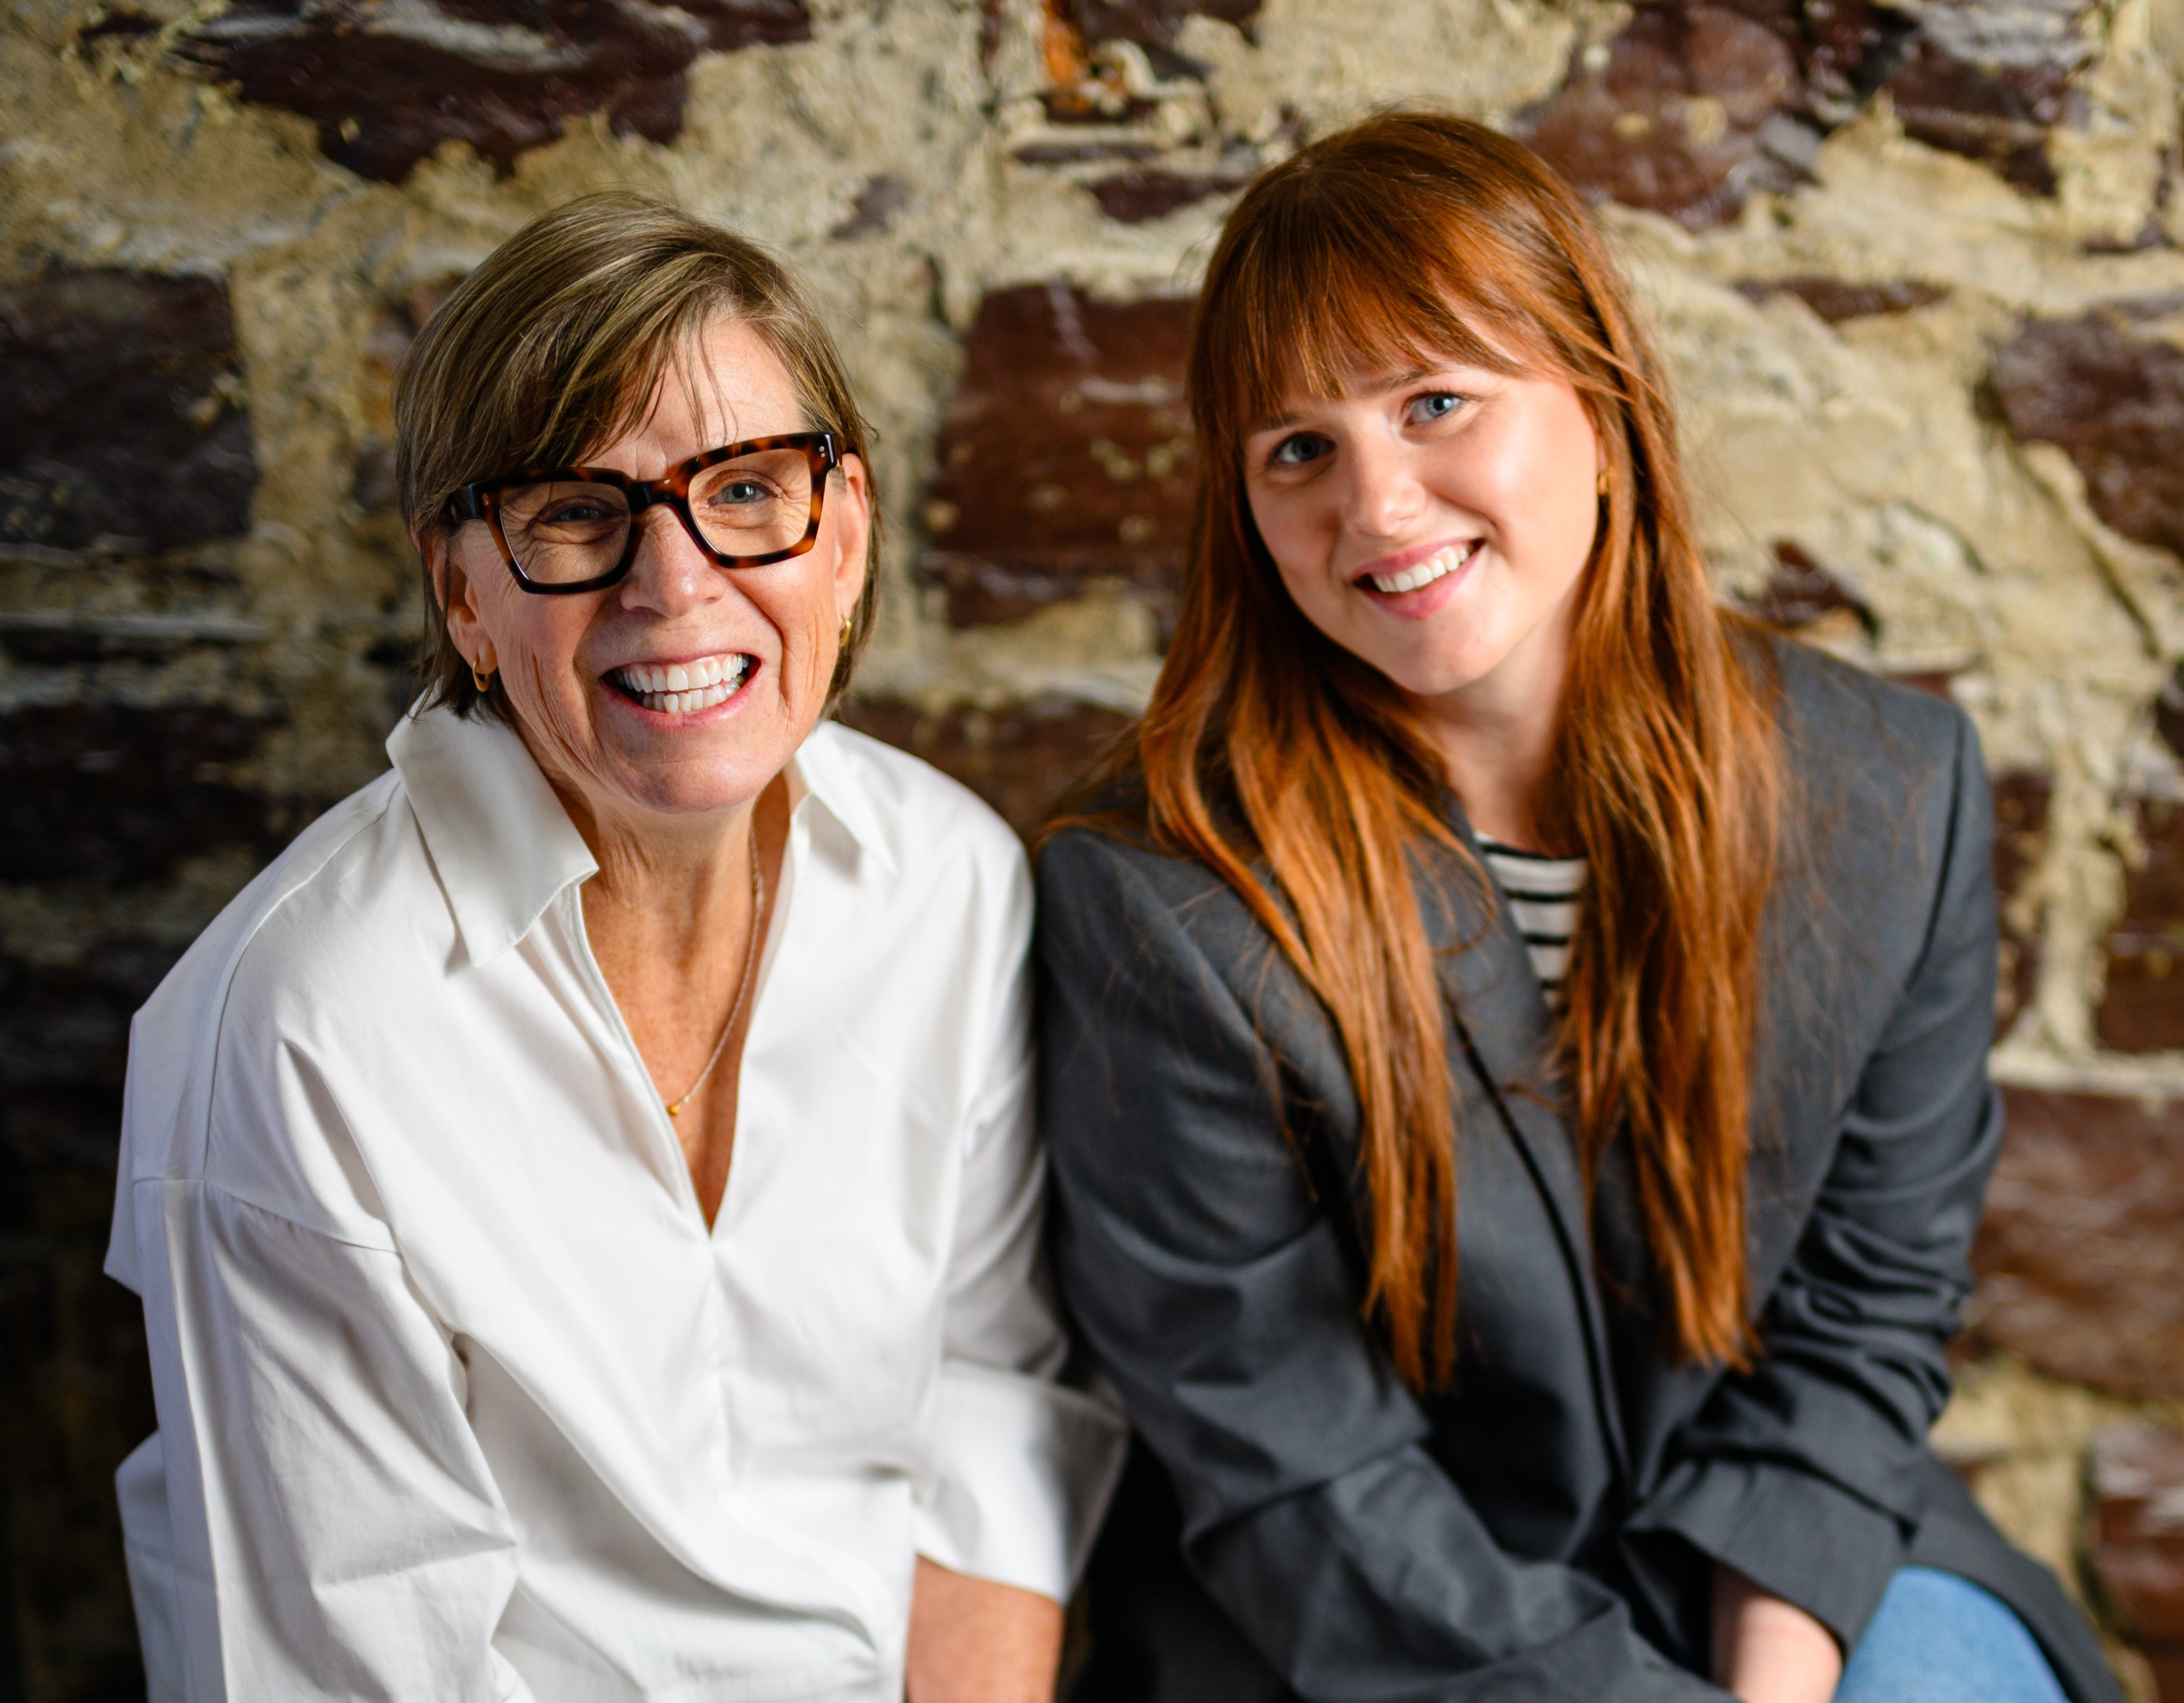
x: 618, y: 765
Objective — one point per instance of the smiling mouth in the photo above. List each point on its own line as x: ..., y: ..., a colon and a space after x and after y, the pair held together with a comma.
x: 681, y: 688
x: 1440, y: 565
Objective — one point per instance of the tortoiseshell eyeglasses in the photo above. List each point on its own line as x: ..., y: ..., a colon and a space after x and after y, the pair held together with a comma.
x: 569, y: 529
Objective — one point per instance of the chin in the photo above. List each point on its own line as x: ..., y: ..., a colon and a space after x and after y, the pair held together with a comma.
x: 1433, y: 676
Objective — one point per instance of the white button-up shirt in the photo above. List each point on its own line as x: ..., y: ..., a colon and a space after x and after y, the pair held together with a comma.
x: 459, y: 1398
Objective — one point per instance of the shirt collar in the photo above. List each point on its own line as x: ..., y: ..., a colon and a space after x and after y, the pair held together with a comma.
x: 829, y: 768
x: 505, y: 848
x: 502, y: 844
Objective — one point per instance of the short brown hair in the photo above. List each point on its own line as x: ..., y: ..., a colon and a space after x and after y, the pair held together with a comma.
x: 551, y: 349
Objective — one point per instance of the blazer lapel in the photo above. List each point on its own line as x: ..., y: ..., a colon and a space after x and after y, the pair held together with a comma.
x: 1501, y: 1034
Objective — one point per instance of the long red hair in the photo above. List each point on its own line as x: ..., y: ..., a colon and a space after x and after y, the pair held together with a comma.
x: 1302, y: 776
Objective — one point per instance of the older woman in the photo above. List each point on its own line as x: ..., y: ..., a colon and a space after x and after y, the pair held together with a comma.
x: 584, y: 1193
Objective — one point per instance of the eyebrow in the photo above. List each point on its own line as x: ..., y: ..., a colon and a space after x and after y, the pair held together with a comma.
x: 1395, y: 380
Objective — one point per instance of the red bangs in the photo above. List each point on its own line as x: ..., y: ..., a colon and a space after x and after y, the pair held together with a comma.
x: 1341, y: 271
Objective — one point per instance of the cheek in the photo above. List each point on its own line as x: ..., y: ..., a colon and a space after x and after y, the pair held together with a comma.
x: 1537, y: 481
x: 1298, y: 538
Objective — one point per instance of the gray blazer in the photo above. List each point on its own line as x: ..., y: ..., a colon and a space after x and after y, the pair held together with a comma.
x: 1296, y: 1524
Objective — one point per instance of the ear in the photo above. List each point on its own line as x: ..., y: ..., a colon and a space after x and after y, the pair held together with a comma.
x: 850, y: 513
x: 458, y: 599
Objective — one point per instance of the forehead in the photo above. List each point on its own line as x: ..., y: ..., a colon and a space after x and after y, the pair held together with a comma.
x: 1359, y: 376
x: 726, y: 385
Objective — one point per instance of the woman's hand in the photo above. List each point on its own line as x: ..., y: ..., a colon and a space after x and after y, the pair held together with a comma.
x: 1767, y: 1651
x: 973, y: 1641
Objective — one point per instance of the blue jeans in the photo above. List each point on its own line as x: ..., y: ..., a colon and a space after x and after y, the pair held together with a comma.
x: 1938, y: 1638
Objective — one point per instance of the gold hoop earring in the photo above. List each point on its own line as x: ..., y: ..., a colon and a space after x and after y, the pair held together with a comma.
x: 480, y: 678
x: 848, y: 625
x: 1600, y: 484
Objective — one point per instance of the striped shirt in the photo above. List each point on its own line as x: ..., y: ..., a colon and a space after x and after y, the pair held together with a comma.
x: 1543, y: 894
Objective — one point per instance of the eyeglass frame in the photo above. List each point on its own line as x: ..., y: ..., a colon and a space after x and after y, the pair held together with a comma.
x: 479, y: 500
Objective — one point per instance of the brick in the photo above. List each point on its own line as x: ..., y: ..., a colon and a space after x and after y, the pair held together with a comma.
x: 1836, y: 301
x: 2111, y: 399
x: 1140, y: 195
x: 123, y: 427
x: 2021, y: 798
x: 2142, y: 1008
x: 1021, y: 758
x: 2138, y: 1549
x: 2080, y: 1258
x: 1694, y: 105
x: 1153, y: 24
x: 1066, y: 456
x: 109, y: 792
x: 1148, y: 23
x: 1804, y: 596
x: 1990, y: 81
x: 1684, y: 114
x: 386, y: 86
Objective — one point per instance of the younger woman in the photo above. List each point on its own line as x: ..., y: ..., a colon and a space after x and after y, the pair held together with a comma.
x: 1515, y: 1035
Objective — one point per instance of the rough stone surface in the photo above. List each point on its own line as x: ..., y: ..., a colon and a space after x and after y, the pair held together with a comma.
x: 2080, y: 1260
x: 1916, y: 273
x: 1066, y: 456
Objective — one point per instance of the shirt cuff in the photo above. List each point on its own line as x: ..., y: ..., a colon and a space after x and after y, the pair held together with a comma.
x: 1022, y: 1470
x: 1809, y: 1542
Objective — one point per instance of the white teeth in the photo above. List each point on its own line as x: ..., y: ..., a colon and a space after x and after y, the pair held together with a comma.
x: 680, y: 689
x: 1442, y: 561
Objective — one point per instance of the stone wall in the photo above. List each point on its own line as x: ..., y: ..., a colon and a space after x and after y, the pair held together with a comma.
x: 1916, y: 262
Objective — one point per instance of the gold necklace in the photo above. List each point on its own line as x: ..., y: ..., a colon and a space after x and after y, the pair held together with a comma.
x: 743, y: 987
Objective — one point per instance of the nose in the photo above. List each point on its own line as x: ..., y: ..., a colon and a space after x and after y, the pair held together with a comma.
x: 1381, y: 495
x: 671, y: 575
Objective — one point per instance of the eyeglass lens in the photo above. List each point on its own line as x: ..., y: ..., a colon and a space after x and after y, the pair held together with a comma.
x: 563, y: 532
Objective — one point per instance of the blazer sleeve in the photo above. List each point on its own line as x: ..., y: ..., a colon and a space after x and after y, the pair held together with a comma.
x: 1804, y: 1473
x: 1215, y: 1292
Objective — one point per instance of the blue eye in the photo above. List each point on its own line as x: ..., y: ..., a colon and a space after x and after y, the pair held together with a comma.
x: 1437, y: 405
x: 1297, y: 451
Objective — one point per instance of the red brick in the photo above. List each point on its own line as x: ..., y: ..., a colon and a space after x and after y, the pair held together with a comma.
x: 1835, y: 300
x: 2021, y: 798
x: 2138, y: 1551
x: 2142, y: 1008
x: 1019, y: 757
x: 2113, y: 400
x: 1696, y: 105
x: 1136, y: 196
x: 1066, y: 456
x: 385, y: 97
x: 1673, y: 120
x: 123, y: 427
x: 2080, y: 1259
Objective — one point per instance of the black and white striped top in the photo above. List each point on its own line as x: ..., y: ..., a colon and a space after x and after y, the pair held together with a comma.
x: 1543, y: 893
